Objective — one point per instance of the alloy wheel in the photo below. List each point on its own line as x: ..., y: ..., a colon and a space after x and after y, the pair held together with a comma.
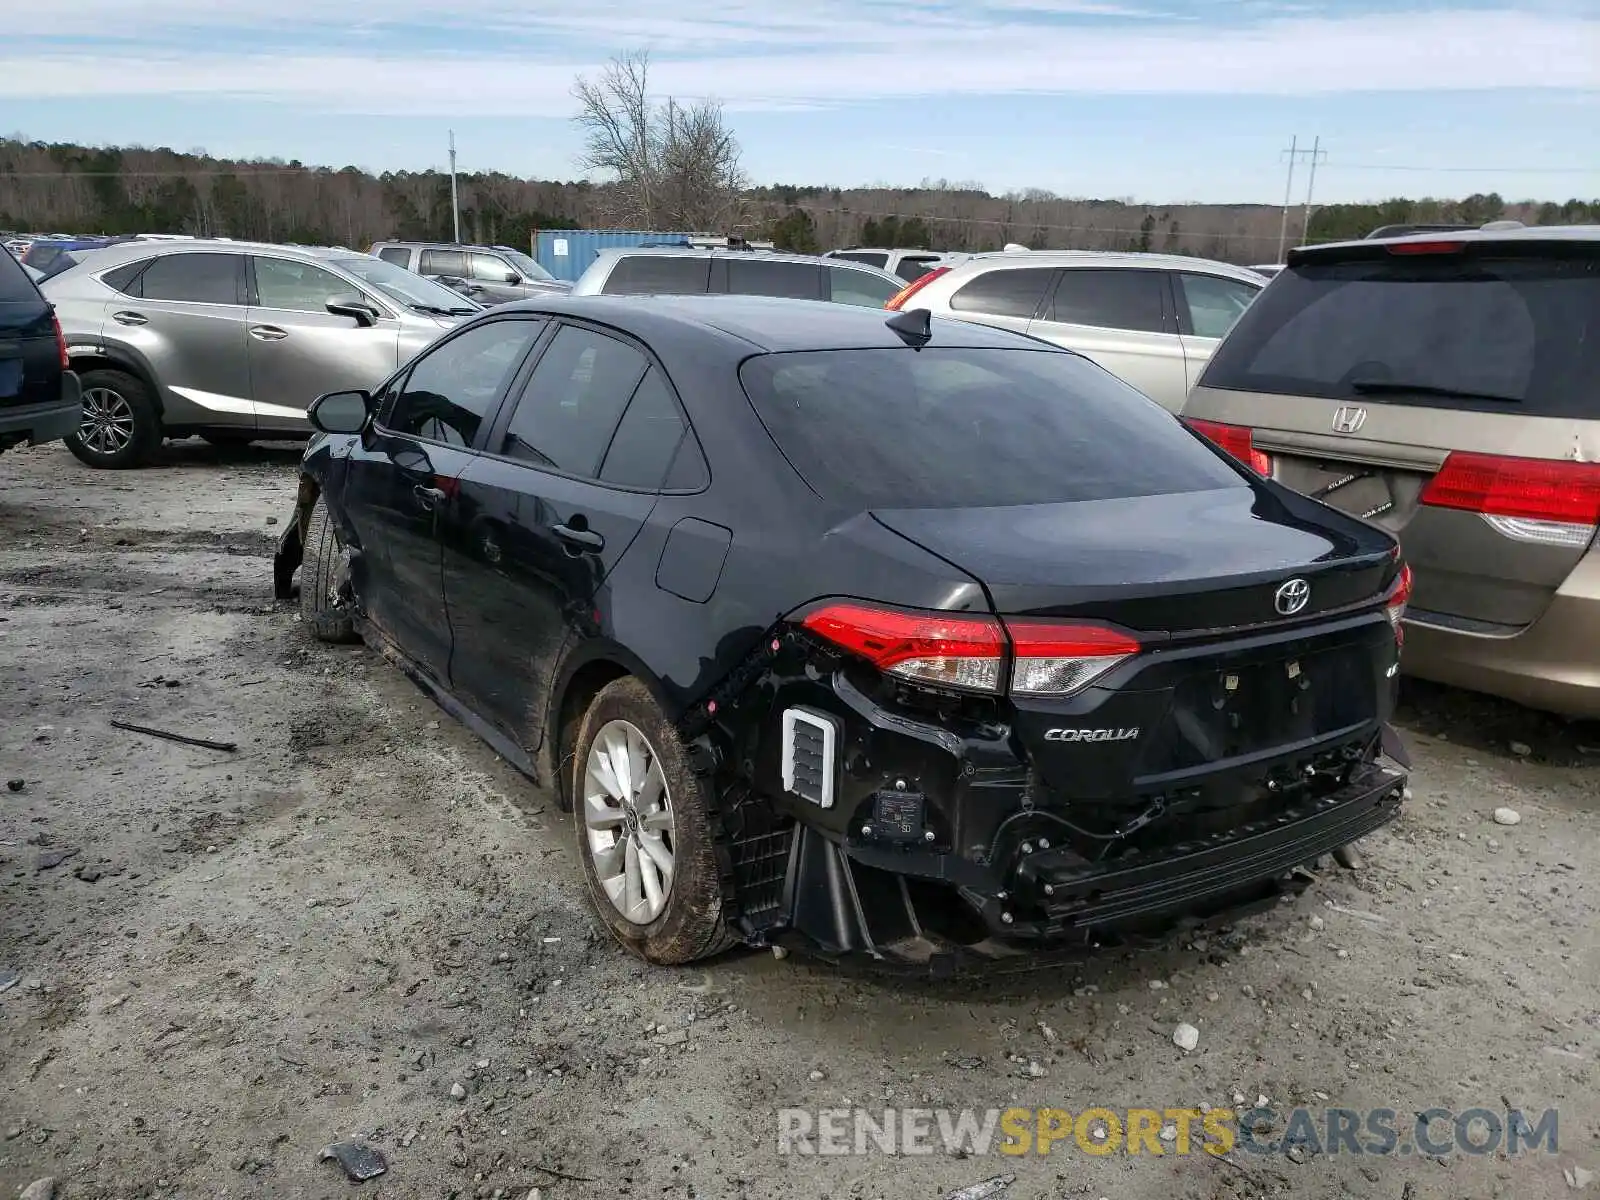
x: 627, y: 817
x: 108, y: 422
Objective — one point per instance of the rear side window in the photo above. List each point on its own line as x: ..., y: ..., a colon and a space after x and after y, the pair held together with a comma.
x: 913, y: 268
x: 1211, y: 304
x: 15, y: 286
x: 400, y: 256
x: 849, y: 286
x: 1110, y: 300
x: 125, y: 279
x: 443, y: 262
x: 647, y: 438
x: 569, y: 408
x: 758, y: 277
x: 658, y: 275
x: 1004, y: 293
x: 1486, y: 334
x: 197, y: 278
x: 957, y: 428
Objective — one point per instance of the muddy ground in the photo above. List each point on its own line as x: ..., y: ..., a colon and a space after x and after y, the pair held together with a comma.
x: 361, y: 924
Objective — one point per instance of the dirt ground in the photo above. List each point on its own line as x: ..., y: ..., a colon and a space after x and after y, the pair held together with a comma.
x: 363, y: 925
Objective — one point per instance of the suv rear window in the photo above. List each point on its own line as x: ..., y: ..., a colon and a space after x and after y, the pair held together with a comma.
x: 658, y: 275
x: 15, y: 286
x: 959, y: 428
x: 1457, y: 332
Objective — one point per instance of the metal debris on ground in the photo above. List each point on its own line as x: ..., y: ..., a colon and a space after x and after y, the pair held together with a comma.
x: 203, y: 743
x: 50, y: 859
x: 16, y: 785
x: 161, y: 681
x: 982, y: 1191
x: 360, y: 1162
x: 9, y: 979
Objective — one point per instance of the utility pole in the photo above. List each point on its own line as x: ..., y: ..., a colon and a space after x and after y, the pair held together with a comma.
x: 1294, y: 154
x: 1311, y: 182
x: 455, y: 204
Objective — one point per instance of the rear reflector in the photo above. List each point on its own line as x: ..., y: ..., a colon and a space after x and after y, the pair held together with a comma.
x: 1426, y: 247
x: 1049, y: 658
x: 1236, y: 440
x: 954, y: 651
x: 898, y: 300
x: 1531, y: 489
x: 1060, y: 658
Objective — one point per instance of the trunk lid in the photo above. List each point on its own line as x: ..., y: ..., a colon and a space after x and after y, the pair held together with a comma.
x: 1502, y: 343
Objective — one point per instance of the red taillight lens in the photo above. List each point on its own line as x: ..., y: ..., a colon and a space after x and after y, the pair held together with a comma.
x: 898, y: 300
x: 1395, y: 602
x: 1059, y: 658
x: 1528, y: 489
x: 1427, y: 247
x: 61, y: 341
x: 955, y: 651
x: 1236, y: 440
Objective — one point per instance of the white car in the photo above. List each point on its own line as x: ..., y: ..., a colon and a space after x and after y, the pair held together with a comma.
x: 902, y: 264
x: 1152, y: 320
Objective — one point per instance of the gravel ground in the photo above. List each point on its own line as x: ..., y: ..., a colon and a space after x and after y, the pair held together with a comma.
x: 363, y: 925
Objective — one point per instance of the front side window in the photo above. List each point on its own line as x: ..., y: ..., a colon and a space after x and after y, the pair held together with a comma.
x: 400, y: 256
x: 296, y: 286
x: 197, y: 278
x: 444, y: 262
x: 659, y: 275
x: 490, y: 268
x: 1129, y: 299
x: 455, y: 385
x: 1004, y: 293
x: 570, y: 405
x: 761, y: 277
x: 1214, y: 304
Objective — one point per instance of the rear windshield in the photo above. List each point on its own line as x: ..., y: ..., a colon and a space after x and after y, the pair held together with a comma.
x: 959, y: 428
x: 1487, y: 334
x: 15, y: 286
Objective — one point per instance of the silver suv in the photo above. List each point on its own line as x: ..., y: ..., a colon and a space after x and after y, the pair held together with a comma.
x: 488, y: 274
x: 231, y: 340
x: 670, y: 271
x: 1152, y: 320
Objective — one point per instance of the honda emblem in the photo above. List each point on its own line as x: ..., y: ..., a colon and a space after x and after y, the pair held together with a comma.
x: 1349, y: 418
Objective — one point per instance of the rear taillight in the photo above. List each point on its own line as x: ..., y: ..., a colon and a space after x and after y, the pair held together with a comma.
x: 61, y: 341
x: 1048, y: 658
x: 1394, y: 604
x: 898, y: 300
x: 1555, y: 501
x: 1058, y: 659
x: 954, y: 651
x: 1236, y: 440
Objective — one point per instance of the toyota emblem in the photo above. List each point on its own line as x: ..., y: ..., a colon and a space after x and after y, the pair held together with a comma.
x: 1291, y: 597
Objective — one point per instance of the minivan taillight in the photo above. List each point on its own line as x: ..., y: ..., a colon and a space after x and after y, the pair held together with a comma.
x: 61, y: 340
x: 1532, y: 499
x: 970, y: 653
x: 898, y: 300
x: 1394, y: 604
x: 1236, y: 440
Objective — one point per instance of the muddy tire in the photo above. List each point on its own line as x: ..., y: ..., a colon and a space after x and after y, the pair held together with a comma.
x: 325, y: 600
x: 643, y: 825
x: 121, y: 427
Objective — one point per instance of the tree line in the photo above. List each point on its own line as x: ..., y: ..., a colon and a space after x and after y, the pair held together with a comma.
x: 659, y: 165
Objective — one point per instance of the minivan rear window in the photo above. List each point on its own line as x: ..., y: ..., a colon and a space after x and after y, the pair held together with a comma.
x: 1487, y: 334
x: 960, y: 428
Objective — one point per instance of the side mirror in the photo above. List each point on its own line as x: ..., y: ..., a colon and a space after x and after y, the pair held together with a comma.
x: 514, y: 279
x: 353, y: 306
x: 340, y: 412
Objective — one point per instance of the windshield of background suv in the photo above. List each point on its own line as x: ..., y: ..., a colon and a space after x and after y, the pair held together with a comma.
x: 400, y: 285
x: 1441, y: 331
x: 966, y: 428
x: 529, y: 268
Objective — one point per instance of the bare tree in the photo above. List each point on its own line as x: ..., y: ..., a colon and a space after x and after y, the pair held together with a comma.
x: 674, y: 165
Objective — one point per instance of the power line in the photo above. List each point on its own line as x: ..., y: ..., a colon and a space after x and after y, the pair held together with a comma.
x: 1339, y: 166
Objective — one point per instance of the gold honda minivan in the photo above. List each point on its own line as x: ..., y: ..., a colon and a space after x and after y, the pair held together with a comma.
x: 1447, y: 388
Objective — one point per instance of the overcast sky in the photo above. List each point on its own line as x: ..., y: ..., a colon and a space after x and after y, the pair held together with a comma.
x: 1160, y: 100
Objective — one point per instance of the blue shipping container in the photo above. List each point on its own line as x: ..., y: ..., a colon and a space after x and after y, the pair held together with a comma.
x: 567, y: 253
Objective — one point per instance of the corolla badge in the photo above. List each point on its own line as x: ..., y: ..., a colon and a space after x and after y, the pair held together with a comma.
x: 1091, y: 735
x: 1291, y: 597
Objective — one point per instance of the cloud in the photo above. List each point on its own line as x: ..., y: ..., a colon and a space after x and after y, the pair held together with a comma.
x: 510, y: 57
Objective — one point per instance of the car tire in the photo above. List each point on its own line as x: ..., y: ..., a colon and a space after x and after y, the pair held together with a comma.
x: 325, y: 600
x: 684, y: 920
x: 121, y: 427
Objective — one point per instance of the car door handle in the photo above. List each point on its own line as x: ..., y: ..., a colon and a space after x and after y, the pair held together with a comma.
x: 428, y: 496
x: 130, y: 318
x: 581, y: 540
x: 268, y: 333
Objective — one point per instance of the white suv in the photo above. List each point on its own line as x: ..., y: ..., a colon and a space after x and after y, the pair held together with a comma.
x: 1152, y: 320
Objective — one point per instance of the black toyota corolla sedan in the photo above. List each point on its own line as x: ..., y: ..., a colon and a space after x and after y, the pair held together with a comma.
x: 862, y: 631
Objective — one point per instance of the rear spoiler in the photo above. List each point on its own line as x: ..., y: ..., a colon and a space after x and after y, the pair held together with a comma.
x: 1443, y: 245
